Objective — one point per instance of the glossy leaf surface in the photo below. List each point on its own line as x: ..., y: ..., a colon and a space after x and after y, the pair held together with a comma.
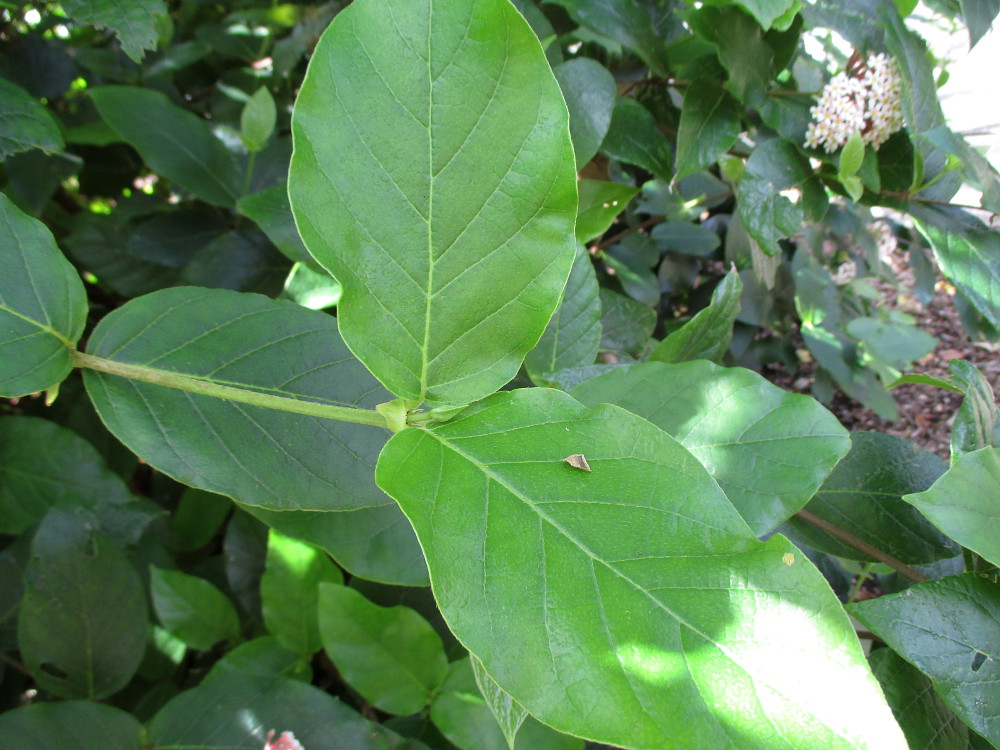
x: 634, y: 138
x: 176, y: 143
x: 44, y: 465
x: 235, y: 712
x: 768, y: 449
x: 510, y: 715
x: 136, y: 22
x: 573, y: 334
x: 70, y: 725
x: 630, y: 604
x: 710, y: 123
x: 925, y: 719
x: 43, y: 305
x: 82, y: 626
x: 392, y: 656
x: 708, y: 334
x: 27, y: 124
x: 259, y: 456
x: 289, y: 591
x: 600, y: 203
x: 950, y: 630
x: 965, y: 503
x: 864, y: 496
x: 589, y: 90
x: 192, y: 609
x: 977, y: 422
x: 457, y: 124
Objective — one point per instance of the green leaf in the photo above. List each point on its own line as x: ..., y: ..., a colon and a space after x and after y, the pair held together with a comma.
x: 44, y: 465
x: 289, y: 591
x: 626, y: 325
x: 451, y: 274
x: 742, y: 49
x: 732, y: 419
x: 898, y: 345
x: 776, y: 172
x: 766, y: 12
x: 198, y: 517
x: 685, y: 237
x: 950, y: 630
x: 851, y: 157
x: 82, y: 626
x: 70, y: 725
x: 708, y: 334
x: 970, y: 258
x: 236, y: 711
x: 192, y: 609
x: 573, y: 335
x: 257, y: 120
x: 710, y: 123
x: 465, y: 718
x: 172, y: 238
x: 979, y: 16
x: 645, y: 26
x: 634, y: 138
x: 255, y: 454
x: 316, y: 290
x: 510, y: 715
x: 175, y: 143
x: 261, y: 657
x: 977, y: 422
x: 963, y: 502
x: 600, y: 204
x: 864, y: 496
x: 630, y: 262
x: 589, y: 90
x: 924, y: 718
x: 634, y: 589
x: 27, y: 123
x: 136, y: 22
x: 271, y: 211
x: 392, y: 656
x: 376, y: 542
x: 43, y: 306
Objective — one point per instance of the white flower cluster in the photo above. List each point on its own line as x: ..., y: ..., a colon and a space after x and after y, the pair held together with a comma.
x: 845, y: 273
x: 866, y: 100
x: 884, y: 238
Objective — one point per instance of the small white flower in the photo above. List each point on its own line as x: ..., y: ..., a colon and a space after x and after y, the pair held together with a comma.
x: 845, y: 273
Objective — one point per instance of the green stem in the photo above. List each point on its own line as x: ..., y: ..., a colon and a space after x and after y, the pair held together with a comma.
x: 859, y: 544
x: 859, y: 582
x: 229, y: 393
x: 249, y: 175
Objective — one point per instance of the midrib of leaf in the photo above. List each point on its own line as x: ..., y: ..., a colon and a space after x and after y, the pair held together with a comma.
x: 429, y: 292
x: 43, y: 328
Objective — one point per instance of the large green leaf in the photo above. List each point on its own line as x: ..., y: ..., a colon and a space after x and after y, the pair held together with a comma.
x: 45, y: 465
x: 258, y: 455
x: 136, y: 22
x: 708, y: 334
x: 768, y: 449
x: 710, y: 124
x: 629, y: 604
x: 742, y: 48
x: 26, y: 123
x: 392, y: 656
x: 924, y: 718
x: 964, y: 502
x: 601, y: 202
x: 82, y: 626
x: 236, y: 710
x: 70, y: 725
x: 766, y: 12
x: 971, y: 260
x: 589, y: 90
x: 864, y: 496
x: 174, y: 142
x: 626, y: 325
x: 273, y: 214
x: 950, y: 630
x: 450, y: 227
x: 979, y: 15
x: 43, y: 305
x: 572, y: 337
x: 977, y: 422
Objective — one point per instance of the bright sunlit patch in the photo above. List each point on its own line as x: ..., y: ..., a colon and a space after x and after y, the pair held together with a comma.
x: 652, y: 665
x: 32, y: 17
x: 788, y: 558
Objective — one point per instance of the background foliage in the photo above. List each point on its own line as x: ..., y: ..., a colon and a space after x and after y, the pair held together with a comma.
x: 196, y: 548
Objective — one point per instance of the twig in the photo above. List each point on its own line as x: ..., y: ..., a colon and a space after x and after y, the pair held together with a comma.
x: 874, y: 552
x: 12, y: 662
